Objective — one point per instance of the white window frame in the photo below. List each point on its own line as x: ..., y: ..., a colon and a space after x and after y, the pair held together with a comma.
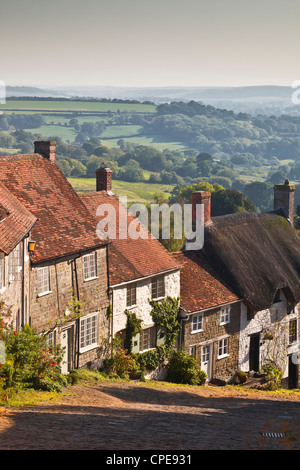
x: 43, y: 275
x: 2, y: 273
x: 151, y: 330
x: 225, y: 315
x: 223, y: 347
x: 131, y: 299
x: 90, y: 266
x: 88, y: 332
x: 158, y: 287
x: 197, y: 323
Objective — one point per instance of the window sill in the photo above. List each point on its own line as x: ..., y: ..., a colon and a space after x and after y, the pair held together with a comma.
x: 224, y: 323
x: 223, y: 355
x: 196, y: 331
x: 44, y: 293
x: 91, y: 278
x: 88, y: 348
x: 129, y: 307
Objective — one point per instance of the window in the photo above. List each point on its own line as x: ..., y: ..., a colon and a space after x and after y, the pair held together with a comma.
x: 193, y: 351
x: 158, y: 287
x: 131, y: 295
x: 277, y: 297
x: 225, y: 315
x: 2, y: 273
x: 197, y: 323
x: 292, y: 331
x: 223, y: 347
x: 11, y: 267
x: 147, y: 338
x: 43, y: 280
x: 51, y: 339
x: 88, y: 331
x: 89, y: 266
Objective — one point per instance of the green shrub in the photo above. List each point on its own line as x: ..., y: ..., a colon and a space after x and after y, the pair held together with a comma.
x: 272, y: 375
x: 182, y: 368
x: 120, y: 363
x: 30, y: 362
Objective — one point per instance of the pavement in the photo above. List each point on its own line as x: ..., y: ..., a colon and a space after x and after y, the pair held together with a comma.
x: 133, y: 416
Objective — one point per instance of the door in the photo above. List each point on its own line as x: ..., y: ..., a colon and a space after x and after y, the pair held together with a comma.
x: 254, y: 352
x: 206, y: 352
x: 67, y: 346
x: 293, y: 373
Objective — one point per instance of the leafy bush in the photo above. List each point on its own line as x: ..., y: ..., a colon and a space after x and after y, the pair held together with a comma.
x: 120, y: 363
x: 182, y: 368
x: 30, y: 363
x: 272, y: 375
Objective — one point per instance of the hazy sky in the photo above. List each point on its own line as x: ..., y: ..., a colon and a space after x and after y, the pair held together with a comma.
x: 149, y: 42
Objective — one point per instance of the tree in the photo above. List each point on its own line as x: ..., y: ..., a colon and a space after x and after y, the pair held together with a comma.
x: 260, y: 194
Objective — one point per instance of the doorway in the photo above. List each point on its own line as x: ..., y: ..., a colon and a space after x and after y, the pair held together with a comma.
x: 206, y: 352
x: 67, y: 336
x: 293, y: 373
x: 254, y: 352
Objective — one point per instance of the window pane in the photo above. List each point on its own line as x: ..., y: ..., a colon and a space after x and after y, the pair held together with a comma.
x: 89, y: 266
x: 43, y: 280
x: 131, y: 295
x: 88, y: 331
x: 2, y: 283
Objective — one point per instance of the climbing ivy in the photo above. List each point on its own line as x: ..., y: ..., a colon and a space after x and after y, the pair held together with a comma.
x: 165, y: 315
x: 133, y: 327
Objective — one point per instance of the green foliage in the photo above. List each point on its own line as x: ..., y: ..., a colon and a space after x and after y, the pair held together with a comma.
x: 183, y: 369
x: 30, y: 363
x: 120, y: 363
x: 165, y: 315
x: 133, y: 327
x: 272, y: 375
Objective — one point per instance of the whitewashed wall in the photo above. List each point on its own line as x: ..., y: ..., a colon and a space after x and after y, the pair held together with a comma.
x: 274, y: 320
x: 142, y: 307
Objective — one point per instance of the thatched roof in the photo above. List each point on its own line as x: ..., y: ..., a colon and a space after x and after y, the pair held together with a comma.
x: 255, y: 254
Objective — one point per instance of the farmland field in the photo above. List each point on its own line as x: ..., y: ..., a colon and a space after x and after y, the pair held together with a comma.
x: 69, y: 105
x: 135, y: 192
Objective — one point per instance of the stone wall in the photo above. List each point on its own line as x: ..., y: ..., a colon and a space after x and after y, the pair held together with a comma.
x: 142, y: 307
x: 66, y: 280
x: 275, y: 320
x: 222, y: 368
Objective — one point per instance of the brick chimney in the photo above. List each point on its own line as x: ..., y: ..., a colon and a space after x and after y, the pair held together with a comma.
x: 103, y: 178
x: 46, y: 148
x: 201, y: 197
x: 284, y: 198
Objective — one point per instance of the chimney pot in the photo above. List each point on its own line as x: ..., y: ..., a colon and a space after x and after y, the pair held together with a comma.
x: 46, y: 149
x: 103, y: 178
x: 201, y: 197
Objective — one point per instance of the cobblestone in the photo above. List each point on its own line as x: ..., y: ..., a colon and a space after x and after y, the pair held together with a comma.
x: 135, y: 416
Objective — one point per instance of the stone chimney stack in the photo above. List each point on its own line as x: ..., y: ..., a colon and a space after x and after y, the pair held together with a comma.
x: 201, y: 197
x: 46, y: 149
x: 103, y: 178
x: 284, y: 198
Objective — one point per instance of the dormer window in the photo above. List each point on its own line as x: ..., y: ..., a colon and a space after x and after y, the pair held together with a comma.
x: 277, y: 297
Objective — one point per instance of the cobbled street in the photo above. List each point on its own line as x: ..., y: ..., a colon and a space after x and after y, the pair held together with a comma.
x: 137, y: 416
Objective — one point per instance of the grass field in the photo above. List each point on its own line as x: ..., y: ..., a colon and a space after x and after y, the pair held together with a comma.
x: 92, y: 106
x: 135, y: 192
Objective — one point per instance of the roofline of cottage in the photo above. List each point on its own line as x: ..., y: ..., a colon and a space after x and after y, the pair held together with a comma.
x: 112, y: 286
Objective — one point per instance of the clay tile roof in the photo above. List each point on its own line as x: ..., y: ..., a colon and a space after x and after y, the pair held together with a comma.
x: 15, y: 220
x: 200, y: 287
x: 130, y: 259
x: 64, y: 225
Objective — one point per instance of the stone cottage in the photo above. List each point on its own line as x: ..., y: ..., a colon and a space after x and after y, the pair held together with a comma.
x: 258, y: 257
x: 139, y: 268
x: 68, y: 265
